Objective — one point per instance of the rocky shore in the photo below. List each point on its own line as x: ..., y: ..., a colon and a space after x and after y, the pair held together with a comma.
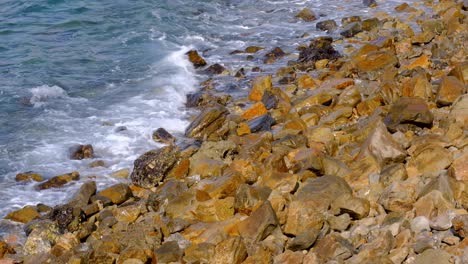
x: 352, y: 155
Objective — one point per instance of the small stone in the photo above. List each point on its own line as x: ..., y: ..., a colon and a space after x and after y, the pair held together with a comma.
x: 327, y: 25
x: 289, y: 257
x: 161, y: 135
x: 117, y: 193
x: 23, y: 215
x: 405, y: 7
x: 121, y: 174
x: 195, y: 59
x: 81, y: 152
x: 340, y: 223
x: 28, y: 176
x: 59, y: 181
x: 307, y: 15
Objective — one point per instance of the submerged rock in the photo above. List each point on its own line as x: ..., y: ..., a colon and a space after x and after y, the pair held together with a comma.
x: 307, y: 15
x: 23, y: 215
x: 151, y: 167
x: 81, y: 152
x: 327, y: 25
x: 28, y: 176
x: 59, y: 181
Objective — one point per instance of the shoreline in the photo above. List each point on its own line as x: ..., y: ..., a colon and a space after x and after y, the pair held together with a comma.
x: 356, y: 157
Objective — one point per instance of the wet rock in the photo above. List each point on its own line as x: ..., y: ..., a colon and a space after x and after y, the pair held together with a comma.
x: 405, y: 7
x: 348, y: 20
x: 351, y: 29
x: 259, y: 224
x: 28, y: 176
x: 215, y: 69
x: 120, y: 174
x: 67, y: 217
x: 460, y: 225
x: 273, y: 55
x: 161, y: 135
x: 23, y: 215
x: 168, y: 252
x: 370, y: 23
x: 269, y: 100
x: 327, y: 25
x: 59, y: 181
x: 151, y: 167
x: 117, y: 193
x: 411, y: 111
x: 357, y: 208
x: 259, y: 86
x: 42, y: 237
x: 253, y: 49
x: 306, y: 15
x: 201, y: 99
x: 433, y: 256
x: 369, y: 3
x: 81, y: 198
x: 319, y: 49
x: 459, y: 168
x: 208, y: 124
x: 81, y: 152
x: 195, y: 59
x: 450, y: 89
x: 261, y: 123
x: 231, y: 250
x: 304, y: 240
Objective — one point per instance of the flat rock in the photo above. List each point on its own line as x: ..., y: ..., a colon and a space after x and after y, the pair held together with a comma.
x: 151, y: 167
x: 59, y: 181
x: 23, y: 215
x: 117, y: 193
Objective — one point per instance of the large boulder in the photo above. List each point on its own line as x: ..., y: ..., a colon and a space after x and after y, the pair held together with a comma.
x: 151, y: 167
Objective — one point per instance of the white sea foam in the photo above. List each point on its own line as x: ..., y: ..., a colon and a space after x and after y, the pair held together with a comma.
x: 43, y: 93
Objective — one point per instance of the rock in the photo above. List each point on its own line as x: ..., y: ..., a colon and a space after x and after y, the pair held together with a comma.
x: 117, y: 193
x: 195, y: 59
x: 333, y: 247
x: 398, y: 197
x: 405, y: 7
x: 97, y: 163
x: 202, y: 99
x: 202, y: 252
x: 459, y: 168
x: 370, y: 23
x: 351, y: 29
x: 261, y: 123
x: 327, y: 25
x: 340, y: 222
x: 259, y: 87
x: 460, y: 109
x: 253, y: 49
x: 460, y: 225
x: 59, y: 181
x: 208, y: 124
x: 320, y: 48
x: 450, y: 89
x: 258, y: 225
x: 269, y: 100
x: 420, y: 224
x: 461, y: 72
x: 273, y: 55
x: 381, y: 145
x: 28, y: 176
x: 374, y: 60
x: 393, y: 173
x: 369, y: 3
x: 64, y: 244
x: 432, y: 204
x: 307, y: 15
x: 81, y: 198
x: 23, y: 215
x: 151, y: 167
x: 433, y: 256
x: 81, y: 152
x: 289, y: 257
x: 357, y: 208
x: 215, y: 69
x: 168, y: 252
x: 121, y: 174
x: 5, y: 249
x: 431, y: 159
x: 231, y: 250
x: 409, y: 110
x: 42, y: 237
x: 348, y: 20
x: 255, y: 110
x: 304, y: 240
x: 67, y: 217
x: 161, y: 135
x: 248, y: 197
x: 302, y: 216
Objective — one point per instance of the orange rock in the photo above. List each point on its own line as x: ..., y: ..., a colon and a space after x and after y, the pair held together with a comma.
x: 337, y: 83
x: 180, y: 170
x: 257, y: 109
x: 459, y: 168
x: 243, y: 129
x: 376, y: 60
x: 260, y: 84
x: 417, y: 86
x: 423, y: 62
x: 306, y: 82
x: 450, y: 89
x: 368, y: 106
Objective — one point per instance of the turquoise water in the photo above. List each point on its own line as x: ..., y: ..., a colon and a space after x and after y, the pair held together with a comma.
x: 73, y: 72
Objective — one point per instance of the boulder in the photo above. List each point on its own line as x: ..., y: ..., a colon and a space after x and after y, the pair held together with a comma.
x: 59, y: 181
x: 151, y: 167
x: 28, y: 176
x: 327, y: 25
x: 215, y: 69
x: 117, y: 193
x: 306, y: 15
x: 23, y: 215
x: 81, y: 152
x: 161, y: 135
x: 409, y: 111
x: 320, y: 48
x: 196, y: 60
x: 208, y: 123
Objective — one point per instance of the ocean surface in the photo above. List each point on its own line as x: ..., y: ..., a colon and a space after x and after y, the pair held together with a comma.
x: 110, y: 72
